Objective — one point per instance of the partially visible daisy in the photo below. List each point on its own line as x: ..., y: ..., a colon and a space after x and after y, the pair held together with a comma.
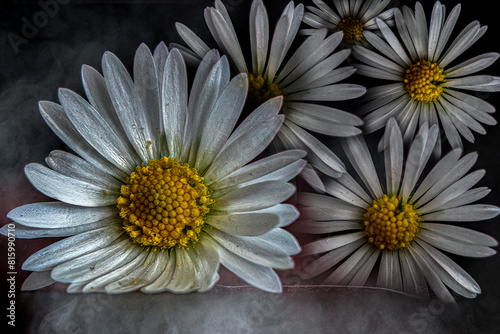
x: 164, y: 190
x: 353, y: 18
x: 426, y: 87
x: 310, y: 75
x: 399, y: 224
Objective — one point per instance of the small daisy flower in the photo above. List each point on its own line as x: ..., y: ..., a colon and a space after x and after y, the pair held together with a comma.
x: 399, y: 225
x: 310, y: 75
x: 426, y: 87
x: 163, y: 191
x: 353, y: 18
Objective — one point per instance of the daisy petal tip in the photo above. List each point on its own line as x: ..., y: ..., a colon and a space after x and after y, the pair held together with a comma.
x: 4, y: 230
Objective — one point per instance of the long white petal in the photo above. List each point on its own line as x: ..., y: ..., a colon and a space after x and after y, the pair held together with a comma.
x: 256, y: 196
x: 58, y: 215
x: 67, y: 189
x: 71, y: 247
x: 258, y: 276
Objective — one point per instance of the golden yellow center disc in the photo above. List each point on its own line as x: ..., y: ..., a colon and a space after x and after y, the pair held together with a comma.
x: 163, y: 204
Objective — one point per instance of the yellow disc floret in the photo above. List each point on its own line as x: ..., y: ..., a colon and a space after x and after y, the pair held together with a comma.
x: 423, y: 81
x: 391, y: 224
x: 164, y: 203
x: 352, y: 29
x: 259, y: 90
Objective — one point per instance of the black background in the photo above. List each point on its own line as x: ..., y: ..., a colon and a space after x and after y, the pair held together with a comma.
x: 78, y: 33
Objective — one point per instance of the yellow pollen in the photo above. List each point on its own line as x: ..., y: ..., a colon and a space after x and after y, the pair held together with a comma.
x: 259, y: 90
x: 352, y: 29
x: 163, y: 204
x: 391, y: 224
x: 423, y: 81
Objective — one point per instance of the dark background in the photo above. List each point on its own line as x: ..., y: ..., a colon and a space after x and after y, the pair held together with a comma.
x: 78, y: 32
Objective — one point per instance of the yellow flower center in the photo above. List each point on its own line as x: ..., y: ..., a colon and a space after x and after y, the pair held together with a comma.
x: 391, y: 224
x: 259, y: 90
x: 423, y: 81
x: 352, y: 29
x: 163, y: 204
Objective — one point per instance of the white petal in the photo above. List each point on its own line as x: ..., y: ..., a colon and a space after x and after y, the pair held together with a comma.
x: 393, y: 155
x: 455, y: 246
x: 247, y: 141
x: 472, y: 65
x: 97, y: 131
x: 323, y: 227
x: 336, y: 92
x: 220, y: 123
x: 317, y: 147
x: 211, y: 78
x: 450, y: 273
x: 244, y: 224
x: 144, y: 274
x: 77, y: 168
x: 358, y: 154
x: 128, y: 104
x: 174, y: 99
x: 468, y: 197
x: 99, y: 283
x: 389, y: 275
x: 364, y: 272
x: 260, y: 168
x: 329, y: 259
x: 97, y: 263
x: 461, y: 234
x: 71, y: 247
x: 57, y: 120
x: 24, y: 232
x: 228, y: 39
x: 453, y: 191
x: 419, y: 154
x: 261, y: 277
x: 192, y: 40
x: 346, y: 271
x: 310, y: 116
x: 446, y: 31
x: 431, y: 277
x: 413, y: 278
x: 67, y: 189
x: 162, y: 281
x: 258, y: 250
x: 438, y: 171
x: 312, y: 178
x: 58, y: 215
x: 37, y: 280
x: 447, y: 176
x: 327, y: 244
x: 206, y: 260
x: 259, y: 36
x: 334, y: 188
x: 256, y: 196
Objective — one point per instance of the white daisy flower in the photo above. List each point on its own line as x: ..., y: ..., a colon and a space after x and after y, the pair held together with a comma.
x: 353, y: 17
x: 164, y: 190
x: 310, y: 75
x: 399, y: 224
x: 426, y: 87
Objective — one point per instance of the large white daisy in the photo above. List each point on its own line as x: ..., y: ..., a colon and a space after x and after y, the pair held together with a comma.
x: 353, y: 17
x: 398, y: 225
x: 310, y: 75
x: 427, y: 88
x: 163, y: 191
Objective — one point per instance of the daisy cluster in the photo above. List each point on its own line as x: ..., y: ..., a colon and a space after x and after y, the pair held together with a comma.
x: 192, y: 163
